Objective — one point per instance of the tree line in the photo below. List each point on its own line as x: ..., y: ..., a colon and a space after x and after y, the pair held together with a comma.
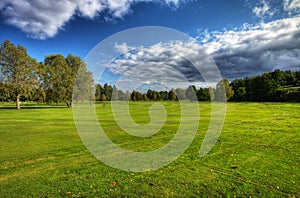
x: 108, y: 93
x: 22, y: 78
x: 276, y: 86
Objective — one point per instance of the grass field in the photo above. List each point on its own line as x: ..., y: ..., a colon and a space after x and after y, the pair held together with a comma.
x: 257, y: 154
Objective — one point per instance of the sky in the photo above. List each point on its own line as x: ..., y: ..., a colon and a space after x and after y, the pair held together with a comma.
x: 243, y: 37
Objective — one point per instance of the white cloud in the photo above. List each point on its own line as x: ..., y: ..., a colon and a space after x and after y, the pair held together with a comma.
x: 291, y: 5
x: 89, y: 8
x: 43, y: 19
x: 256, y: 48
x: 263, y: 10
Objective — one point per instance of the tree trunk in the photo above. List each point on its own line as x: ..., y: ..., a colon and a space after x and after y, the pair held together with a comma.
x: 18, y: 102
x: 69, y: 104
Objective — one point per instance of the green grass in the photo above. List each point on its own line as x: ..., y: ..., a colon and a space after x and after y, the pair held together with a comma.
x: 256, y: 155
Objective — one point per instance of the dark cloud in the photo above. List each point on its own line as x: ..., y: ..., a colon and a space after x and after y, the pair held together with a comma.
x: 257, y: 49
x: 176, y: 63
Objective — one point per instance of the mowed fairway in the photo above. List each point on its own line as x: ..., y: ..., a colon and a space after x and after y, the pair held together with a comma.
x: 257, y: 154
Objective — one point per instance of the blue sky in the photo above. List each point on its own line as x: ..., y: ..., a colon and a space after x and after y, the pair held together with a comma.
x: 244, y: 37
x: 80, y: 34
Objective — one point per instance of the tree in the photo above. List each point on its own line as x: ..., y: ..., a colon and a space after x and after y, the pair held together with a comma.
x: 223, y: 91
x: 108, y: 91
x: 239, y: 89
x: 18, y: 71
x: 172, y: 95
x: 263, y: 88
x: 121, y: 95
x: 127, y: 96
x: 145, y: 97
x: 164, y: 95
x: 59, y: 79
x: 180, y: 93
x: 155, y: 96
x: 83, y: 86
x: 136, y: 96
x: 203, y: 94
x: 297, y: 78
x: 190, y: 93
x: 115, y: 94
x: 150, y: 94
x: 98, y: 92
x: 4, y: 92
x: 103, y: 97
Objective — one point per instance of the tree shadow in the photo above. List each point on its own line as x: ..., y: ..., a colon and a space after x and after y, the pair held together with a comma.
x: 34, y: 107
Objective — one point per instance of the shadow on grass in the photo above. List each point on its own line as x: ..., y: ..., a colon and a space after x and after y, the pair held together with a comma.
x: 34, y: 107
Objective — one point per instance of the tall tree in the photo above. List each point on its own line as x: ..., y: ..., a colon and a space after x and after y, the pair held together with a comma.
x: 115, y: 94
x: 83, y: 89
x: 98, y: 92
x: 59, y: 79
x: 150, y: 94
x: 108, y: 91
x: 18, y: 70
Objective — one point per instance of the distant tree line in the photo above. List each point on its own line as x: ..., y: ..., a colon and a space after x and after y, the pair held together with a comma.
x: 108, y: 93
x: 276, y: 86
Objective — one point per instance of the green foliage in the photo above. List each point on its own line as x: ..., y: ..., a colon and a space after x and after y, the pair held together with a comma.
x: 190, y: 93
x: 18, y: 72
x: 180, y: 93
x: 59, y: 78
x: 108, y: 91
x: 203, y: 94
x: 84, y: 84
x: 277, y: 86
x: 223, y: 91
x: 98, y: 92
x: 172, y: 95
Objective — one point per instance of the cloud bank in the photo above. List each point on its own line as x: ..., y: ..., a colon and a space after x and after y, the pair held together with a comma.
x: 172, y: 64
x: 254, y: 49
x: 43, y: 19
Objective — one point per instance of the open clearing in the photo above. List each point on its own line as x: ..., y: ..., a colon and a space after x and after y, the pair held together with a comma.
x: 257, y: 154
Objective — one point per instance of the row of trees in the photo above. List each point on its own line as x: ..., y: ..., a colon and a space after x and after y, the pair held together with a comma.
x: 53, y: 80
x: 108, y: 93
x: 276, y: 86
